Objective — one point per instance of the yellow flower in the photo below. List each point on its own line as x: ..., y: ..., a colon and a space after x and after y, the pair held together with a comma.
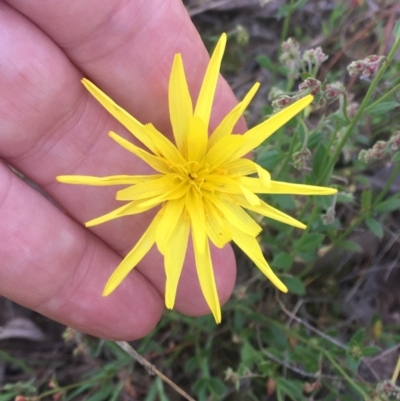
x: 201, y: 183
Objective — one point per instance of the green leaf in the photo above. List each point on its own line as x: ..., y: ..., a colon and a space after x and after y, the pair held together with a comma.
x: 200, y: 385
x: 396, y: 29
x: 366, y: 198
x: 350, y: 246
x: 8, y: 397
x: 382, y: 107
x: 283, y: 261
x: 389, y: 205
x: 217, y: 387
x: 270, y: 158
x: 266, y: 63
x: 315, y: 139
x: 358, y: 337
x: 324, y: 202
x: 294, y: 285
x: 396, y: 157
x: 305, y: 75
x: 374, y: 226
x: 353, y: 362
x: 344, y: 197
x: 309, y: 242
x: 292, y: 388
x: 338, y: 117
x: 371, y: 350
x: 319, y: 160
x: 249, y: 355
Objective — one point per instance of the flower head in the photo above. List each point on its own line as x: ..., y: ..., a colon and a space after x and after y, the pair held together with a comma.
x: 202, y: 183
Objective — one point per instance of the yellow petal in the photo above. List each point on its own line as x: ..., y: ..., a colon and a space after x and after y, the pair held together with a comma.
x: 226, y: 184
x: 174, y: 258
x: 228, y: 123
x: 239, y: 167
x: 222, y: 183
x: 195, y: 208
x: 148, y: 189
x: 197, y: 140
x: 165, y: 147
x: 171, y: 216
x: 205, y: 273
x: 103, y: 181
x: 222, y: 151
x: 156, y: 162
x: 207, y: 91
x: 253, y: 199
x: 268, y: 211
x: 180, y: 104
x: 251, y: 248
x: 217, y: 229
x: 277, y: 187
x: 264, y: 176
x: 235, y: 215
x: 177, y: 192
x: 130, y: 123
x: 126, y: 210
x: 133, y: 257
x: 257, y: 135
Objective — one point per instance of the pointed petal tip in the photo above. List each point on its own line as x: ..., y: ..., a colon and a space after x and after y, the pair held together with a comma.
x: 279, y: 285
x: 217, y: 315
x: 109, y: 287
x: 106, y: 292
x: 284, y: 289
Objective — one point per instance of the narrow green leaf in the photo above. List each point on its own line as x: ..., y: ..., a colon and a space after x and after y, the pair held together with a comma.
x: 358, y: 337
x: 343, y: 197
x: 319, y: 160
x: 366, y: 198
x: 396, y: 157
x: 396, y: 29
x: 371, y: 350
x: 305, y: 75
x: 292, y: 388
x: 389, y: 205
x: 382, y: 107
x: 374, y: 226
x: 350, y: 246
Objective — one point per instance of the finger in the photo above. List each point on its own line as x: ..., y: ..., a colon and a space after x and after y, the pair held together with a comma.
x: 53, y: 265
x: 127, y: 48
x: 68, y: 136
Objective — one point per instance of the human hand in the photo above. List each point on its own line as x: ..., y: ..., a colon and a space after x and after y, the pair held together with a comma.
x: 50, y: 125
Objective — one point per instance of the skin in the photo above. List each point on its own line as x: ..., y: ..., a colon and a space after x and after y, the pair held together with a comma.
x: 50, y: 125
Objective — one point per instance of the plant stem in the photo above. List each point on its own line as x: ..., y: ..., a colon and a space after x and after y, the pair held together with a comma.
x: 396, y: 371
x: 286, y: 22
x: 360, y: 112
x: 151, y: 369
x: 345, y: 375
x: 383, y: 97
